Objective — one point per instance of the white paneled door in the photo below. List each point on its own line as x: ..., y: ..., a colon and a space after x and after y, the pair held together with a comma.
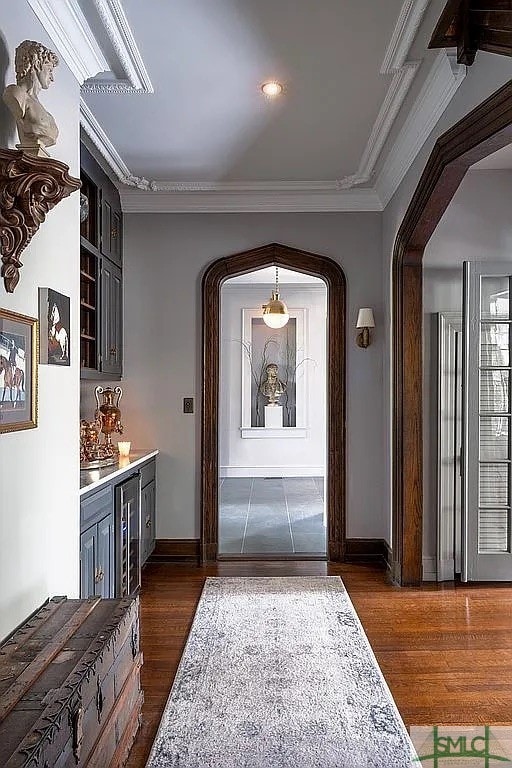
x: 487, y: 552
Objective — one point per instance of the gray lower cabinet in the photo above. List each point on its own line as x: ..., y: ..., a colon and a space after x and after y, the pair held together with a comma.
x: 117, y: 533
x: 148, y: 519
x: 97, y: 545
x: 148, y: 509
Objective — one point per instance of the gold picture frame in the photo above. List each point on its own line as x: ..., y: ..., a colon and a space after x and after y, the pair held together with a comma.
x: 19, y: 350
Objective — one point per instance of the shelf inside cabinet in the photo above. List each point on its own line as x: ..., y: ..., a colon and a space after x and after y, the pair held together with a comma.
x: 89, y: 228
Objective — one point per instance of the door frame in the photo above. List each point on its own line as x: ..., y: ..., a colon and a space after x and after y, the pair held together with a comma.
x: 331, y: 272
x: 480, y: 133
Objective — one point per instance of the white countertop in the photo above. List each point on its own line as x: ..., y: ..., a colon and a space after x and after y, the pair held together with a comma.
x: 93, y: 478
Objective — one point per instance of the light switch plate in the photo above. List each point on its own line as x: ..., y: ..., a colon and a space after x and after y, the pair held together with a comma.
x: 188, y: 405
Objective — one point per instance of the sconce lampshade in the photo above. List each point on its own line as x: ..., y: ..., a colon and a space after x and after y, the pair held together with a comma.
x: 275, y: 312
x: 365, y: 318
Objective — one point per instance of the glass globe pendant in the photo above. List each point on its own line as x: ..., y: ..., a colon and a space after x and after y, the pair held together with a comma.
x: 275, y: 312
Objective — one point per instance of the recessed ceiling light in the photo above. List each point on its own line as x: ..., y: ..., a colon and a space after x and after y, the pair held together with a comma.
x: 272, y: 88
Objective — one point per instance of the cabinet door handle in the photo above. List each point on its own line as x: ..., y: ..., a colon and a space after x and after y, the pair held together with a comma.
x: 148, y: 522
x: 99, y: 575
x: 113, y: 233
x: 113, y: 351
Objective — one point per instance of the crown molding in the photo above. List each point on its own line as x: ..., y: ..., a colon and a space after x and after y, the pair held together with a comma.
x: 107, y: 150
x: 274, y: 198
x: 437, y: 91
x: 408, y: 23
x: 70, y: 32
x: 72, y: 35
x: 404, y: 72
x: 121, y: 36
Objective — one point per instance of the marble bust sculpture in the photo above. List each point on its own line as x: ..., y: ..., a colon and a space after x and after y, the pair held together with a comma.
x: 272, y: 387
x: 34, y: 64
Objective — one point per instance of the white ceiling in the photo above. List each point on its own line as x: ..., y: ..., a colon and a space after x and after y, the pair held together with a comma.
x: 208, y: 121
x: 171, y: 98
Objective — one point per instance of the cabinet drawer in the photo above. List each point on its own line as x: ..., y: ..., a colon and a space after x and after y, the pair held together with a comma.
x: 96, y: 506
x: 147, y: 473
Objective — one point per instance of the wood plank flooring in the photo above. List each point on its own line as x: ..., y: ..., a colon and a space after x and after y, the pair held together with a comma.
x: 446, y: 652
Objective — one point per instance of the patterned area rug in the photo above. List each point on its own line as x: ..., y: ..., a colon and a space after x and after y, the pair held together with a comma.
x: 278, y: 673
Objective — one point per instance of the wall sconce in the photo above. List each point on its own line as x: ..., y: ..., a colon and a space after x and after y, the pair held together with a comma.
x: 365, y: 321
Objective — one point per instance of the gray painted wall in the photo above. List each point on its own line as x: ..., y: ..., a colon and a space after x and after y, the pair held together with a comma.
x: 165, y: 257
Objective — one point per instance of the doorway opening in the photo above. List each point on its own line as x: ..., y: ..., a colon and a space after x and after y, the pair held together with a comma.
x: 482, y: 132
x: 328, y: 271
x: 272, y: 420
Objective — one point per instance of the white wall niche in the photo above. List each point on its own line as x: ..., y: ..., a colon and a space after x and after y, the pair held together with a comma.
x: 301, y: 363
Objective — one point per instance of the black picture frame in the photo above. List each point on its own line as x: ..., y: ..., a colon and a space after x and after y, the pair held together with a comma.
x: 55, y: 328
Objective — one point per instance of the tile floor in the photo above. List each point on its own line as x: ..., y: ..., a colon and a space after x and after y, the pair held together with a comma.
x: 276, y: 515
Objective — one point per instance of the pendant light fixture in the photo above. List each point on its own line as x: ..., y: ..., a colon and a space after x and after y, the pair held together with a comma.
x: 275, y: 313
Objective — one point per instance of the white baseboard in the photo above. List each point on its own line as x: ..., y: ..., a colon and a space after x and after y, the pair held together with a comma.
x: 272, y: 471
x: 429, y: 569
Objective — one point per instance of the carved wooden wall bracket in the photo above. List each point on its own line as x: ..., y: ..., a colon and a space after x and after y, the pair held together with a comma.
x: 473, y: 25
x: 29, y: 188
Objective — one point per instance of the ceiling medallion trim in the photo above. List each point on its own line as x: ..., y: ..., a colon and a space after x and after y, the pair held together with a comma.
x: 404, y: 72
x: 439, y: 88
x: 70, y: 32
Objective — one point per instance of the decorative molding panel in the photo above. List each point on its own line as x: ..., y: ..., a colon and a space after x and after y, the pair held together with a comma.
x: 403, y: 73
x: 403, y: 35
x: 269, y: 200
x: 71, y: 33
x: 438, y: 90
x: 120, y: 34
x: 72, y: 36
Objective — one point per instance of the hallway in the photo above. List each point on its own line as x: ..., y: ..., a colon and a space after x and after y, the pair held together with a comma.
x: 445, y: 651
x: 272, y: 515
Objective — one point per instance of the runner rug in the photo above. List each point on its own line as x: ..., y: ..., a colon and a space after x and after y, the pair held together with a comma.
x: 278, y: 673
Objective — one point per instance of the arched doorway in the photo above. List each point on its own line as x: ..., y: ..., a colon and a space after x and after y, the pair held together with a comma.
x: 483, y: 131
x: 331, y: 272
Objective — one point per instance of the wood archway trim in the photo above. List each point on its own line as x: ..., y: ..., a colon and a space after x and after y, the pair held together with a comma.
x: 483, y: 131
x: 215, y: 275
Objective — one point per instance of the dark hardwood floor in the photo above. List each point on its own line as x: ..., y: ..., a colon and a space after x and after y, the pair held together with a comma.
x: 445, y: 651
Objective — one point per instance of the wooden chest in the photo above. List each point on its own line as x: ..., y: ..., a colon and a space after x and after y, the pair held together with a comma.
x: 70, y: 686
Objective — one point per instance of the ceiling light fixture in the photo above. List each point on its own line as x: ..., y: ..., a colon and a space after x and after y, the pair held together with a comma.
x: 275, y: 313
x: 272, y: 88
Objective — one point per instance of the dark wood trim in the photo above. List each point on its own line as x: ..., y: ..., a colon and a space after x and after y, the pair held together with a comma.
x: 367, y: 551
x: 473, y: 25
x: 332, y: 273
x: 483, y: 131
x: 175, y: 549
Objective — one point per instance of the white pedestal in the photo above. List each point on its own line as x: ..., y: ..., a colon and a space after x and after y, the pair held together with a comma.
x: 273, y: 415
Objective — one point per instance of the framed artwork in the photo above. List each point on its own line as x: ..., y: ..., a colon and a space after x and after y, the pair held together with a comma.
x: 18, y: 371
x: 54, y: 327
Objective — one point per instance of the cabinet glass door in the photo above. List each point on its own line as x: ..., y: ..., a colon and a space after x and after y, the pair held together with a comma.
x: 487, y: 411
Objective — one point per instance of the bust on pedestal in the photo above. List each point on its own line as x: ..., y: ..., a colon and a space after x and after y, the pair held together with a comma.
x: 273, y: 388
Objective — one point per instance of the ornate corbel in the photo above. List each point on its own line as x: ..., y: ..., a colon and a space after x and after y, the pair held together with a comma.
x: 29, y: 188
